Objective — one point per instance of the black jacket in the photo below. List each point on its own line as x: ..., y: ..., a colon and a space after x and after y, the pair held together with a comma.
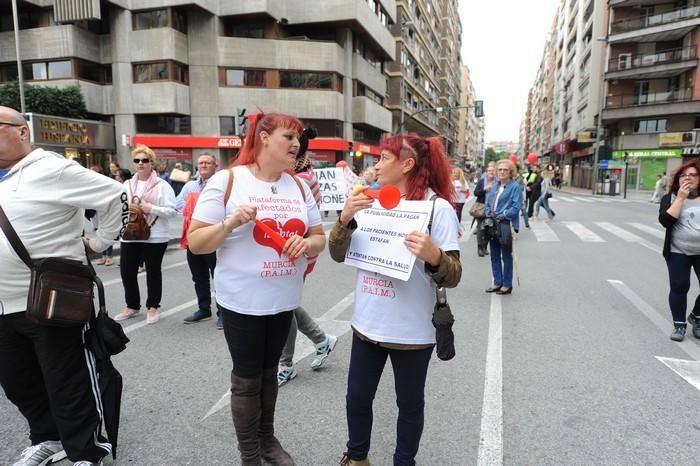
x: 667, y: 221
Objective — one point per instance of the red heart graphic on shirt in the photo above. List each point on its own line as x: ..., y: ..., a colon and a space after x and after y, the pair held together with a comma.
x: 290, y: 227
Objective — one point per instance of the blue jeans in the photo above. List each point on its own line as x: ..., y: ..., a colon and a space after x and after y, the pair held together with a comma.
x: 544, y: 202
x: 410, y: 367
x: 501, y: 265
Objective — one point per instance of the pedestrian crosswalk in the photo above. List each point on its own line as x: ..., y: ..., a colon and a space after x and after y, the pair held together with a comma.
x: 646, y: 235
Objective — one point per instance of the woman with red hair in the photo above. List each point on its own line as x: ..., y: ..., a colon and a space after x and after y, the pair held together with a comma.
x: 679, y: 213
x: 399, y: 325
x: 258, y: 281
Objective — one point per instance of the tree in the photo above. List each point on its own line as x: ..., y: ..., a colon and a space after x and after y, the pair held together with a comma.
x: 490, y: 155
x: 67, y: 102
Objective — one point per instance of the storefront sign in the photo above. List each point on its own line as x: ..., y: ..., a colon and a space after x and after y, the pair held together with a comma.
x: 691, y: 150
x: 378, y: 243
x: 230, y: 143
x: 67, y: 132
x: 618, y: 154
x: 583, y: 152
x: 562, y: 148
x: 677, y: 139
x: 586, y: 136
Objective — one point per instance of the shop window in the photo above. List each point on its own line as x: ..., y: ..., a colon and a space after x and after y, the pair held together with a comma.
x: 306, y: 80
x: 163, y: 124
x: 240, y: 77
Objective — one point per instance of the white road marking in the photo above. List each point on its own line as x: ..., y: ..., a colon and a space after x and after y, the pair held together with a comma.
x: 566, y: 199
x: 303, y: 347
x: 688, y: 370
x: 491, y: 438
x: 583, y: 233
x: 583, y: 199
x: 543, y: 233
x: 467, y: 233
x: 627, y: 236
x: 656, y: 232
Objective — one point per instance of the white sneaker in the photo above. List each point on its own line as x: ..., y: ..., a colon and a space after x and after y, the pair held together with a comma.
x: 41, y: 454
x: 323, y: 350
x: 285, y: 374
x: 87, y: 463
x: 126, y: 313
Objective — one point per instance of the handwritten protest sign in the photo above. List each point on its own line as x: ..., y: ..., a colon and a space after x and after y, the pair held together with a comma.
x: 334, y: 188
x: 378, y: 243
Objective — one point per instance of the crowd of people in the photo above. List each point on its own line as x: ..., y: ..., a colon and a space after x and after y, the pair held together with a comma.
x: 259, y: 276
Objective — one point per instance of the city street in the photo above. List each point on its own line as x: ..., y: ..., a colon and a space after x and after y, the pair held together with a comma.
x: 566, y: 370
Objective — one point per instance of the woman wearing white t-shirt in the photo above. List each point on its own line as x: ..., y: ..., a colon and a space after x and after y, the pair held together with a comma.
x: 398, y: 324
x: 156, y: 199
x: 258, y: 283
x: 461, y: 191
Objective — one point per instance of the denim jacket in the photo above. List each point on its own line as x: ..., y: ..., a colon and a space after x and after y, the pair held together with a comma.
x: 508, y: 204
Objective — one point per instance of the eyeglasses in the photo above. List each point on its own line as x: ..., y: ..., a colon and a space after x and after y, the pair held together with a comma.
x: 137, y: 161
x: 503, y: 170
x: 689, y: 175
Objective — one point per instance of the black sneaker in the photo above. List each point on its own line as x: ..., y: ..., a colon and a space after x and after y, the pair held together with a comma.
x: 198, y: 316
x: 678, y: 333
x: 695, y: 322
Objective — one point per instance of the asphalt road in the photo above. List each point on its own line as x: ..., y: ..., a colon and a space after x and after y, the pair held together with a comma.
x: 562, y: 372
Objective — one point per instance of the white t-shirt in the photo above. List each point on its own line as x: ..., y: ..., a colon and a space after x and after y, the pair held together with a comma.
x: 252, y: 276
x: 460, y: 192
x: 393, y: 311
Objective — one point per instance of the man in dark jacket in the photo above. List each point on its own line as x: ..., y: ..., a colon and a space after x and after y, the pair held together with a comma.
x: 533, y: 188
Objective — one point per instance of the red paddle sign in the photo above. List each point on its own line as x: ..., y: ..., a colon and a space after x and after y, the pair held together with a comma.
x: 389, y: 196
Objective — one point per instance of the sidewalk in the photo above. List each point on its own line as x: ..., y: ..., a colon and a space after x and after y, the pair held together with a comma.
x: 632, y: 194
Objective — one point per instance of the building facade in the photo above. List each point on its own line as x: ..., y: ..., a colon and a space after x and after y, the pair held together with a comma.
x: 652, y: 104
x: 470, y: 139
x: 174, y: 75
x: 424, y: 78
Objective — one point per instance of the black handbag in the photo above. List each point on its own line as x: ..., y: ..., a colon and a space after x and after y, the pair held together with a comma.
x: 504, y: 235
x: 443, y: 320
x: 60, y: 290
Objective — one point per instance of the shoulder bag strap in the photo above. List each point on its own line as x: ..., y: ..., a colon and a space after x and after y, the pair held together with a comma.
x: 440, y: 292
x: 229, y: 186
x: 14, y: 240
x: 301, y: 188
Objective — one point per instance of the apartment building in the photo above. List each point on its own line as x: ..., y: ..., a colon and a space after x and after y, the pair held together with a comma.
x: 511, y: 147
x: 540, y: 101
x: 652, y: 105
x: 424, y: 78
x: 174, y: 74
x: 470, y: 139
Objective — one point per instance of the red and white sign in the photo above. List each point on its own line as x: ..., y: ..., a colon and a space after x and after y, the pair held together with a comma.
x: 230, y: 143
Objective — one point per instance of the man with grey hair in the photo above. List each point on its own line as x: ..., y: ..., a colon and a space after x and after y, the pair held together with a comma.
x: 49, y: 372
x: 201, y: 265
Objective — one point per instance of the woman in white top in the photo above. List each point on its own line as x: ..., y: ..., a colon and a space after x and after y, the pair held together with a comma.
x: 258, y: 282
x: 461, y: 191
x: 393, y: 318
x: 155, y: 198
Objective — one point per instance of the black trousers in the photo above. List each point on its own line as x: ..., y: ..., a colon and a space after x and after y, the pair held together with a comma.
x: 49, y: 375
x: 202, y: 268
x: 679, y: 266
x: 131, y: 256
x: 255, y: 342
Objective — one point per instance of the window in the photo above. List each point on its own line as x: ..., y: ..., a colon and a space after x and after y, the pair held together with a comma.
x: 164, y: 124
x: 90, y: 71
x: 60, y: 69
x: 161, y: 71
x: 8, y: 72
x: 249, y: 78
x: 650, y: 126
x: 150, y: 19
x: 306, y: 80
x: 249, y: 30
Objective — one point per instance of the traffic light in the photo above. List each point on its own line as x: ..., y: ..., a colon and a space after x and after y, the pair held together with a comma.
x: 239, y: 121
x: 478, y: 108
x: 351, y: 152
x: 626, y: 158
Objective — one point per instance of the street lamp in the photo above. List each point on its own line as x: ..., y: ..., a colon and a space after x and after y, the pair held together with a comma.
x: 599, y: 125
x: 19, y: 60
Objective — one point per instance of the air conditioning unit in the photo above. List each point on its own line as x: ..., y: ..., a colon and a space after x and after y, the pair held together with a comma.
x: 624, y: 61
x: 688, y: 138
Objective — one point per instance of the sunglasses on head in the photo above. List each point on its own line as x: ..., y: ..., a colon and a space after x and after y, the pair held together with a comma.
x: 136, y: 161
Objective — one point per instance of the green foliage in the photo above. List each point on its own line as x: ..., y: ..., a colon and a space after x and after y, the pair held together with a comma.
x: 492, y: 156
x: 66, y: 102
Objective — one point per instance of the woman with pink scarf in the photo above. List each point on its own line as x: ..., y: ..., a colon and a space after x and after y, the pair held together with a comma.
x: 155, y: 198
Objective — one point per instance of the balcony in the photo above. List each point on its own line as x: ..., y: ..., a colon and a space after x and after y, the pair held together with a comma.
x: 366, y: 111
x: 646, y: 105
x: 667, y: 26
x: 651, y: 66
x: 51, y: 42
x: 161, y: 97
x: 317, y: 104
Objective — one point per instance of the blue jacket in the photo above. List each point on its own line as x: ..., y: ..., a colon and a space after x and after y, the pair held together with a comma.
x: 508, y: 204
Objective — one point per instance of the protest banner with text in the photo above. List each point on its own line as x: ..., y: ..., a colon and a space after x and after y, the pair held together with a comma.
x: 334, y: 188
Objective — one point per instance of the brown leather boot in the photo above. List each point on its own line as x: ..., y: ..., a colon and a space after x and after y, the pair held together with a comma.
x: 347, y: 461
x: 245, y: 410
x: 270, y: 449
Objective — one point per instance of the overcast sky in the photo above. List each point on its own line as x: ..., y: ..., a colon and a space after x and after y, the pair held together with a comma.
x: 502, y: 45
